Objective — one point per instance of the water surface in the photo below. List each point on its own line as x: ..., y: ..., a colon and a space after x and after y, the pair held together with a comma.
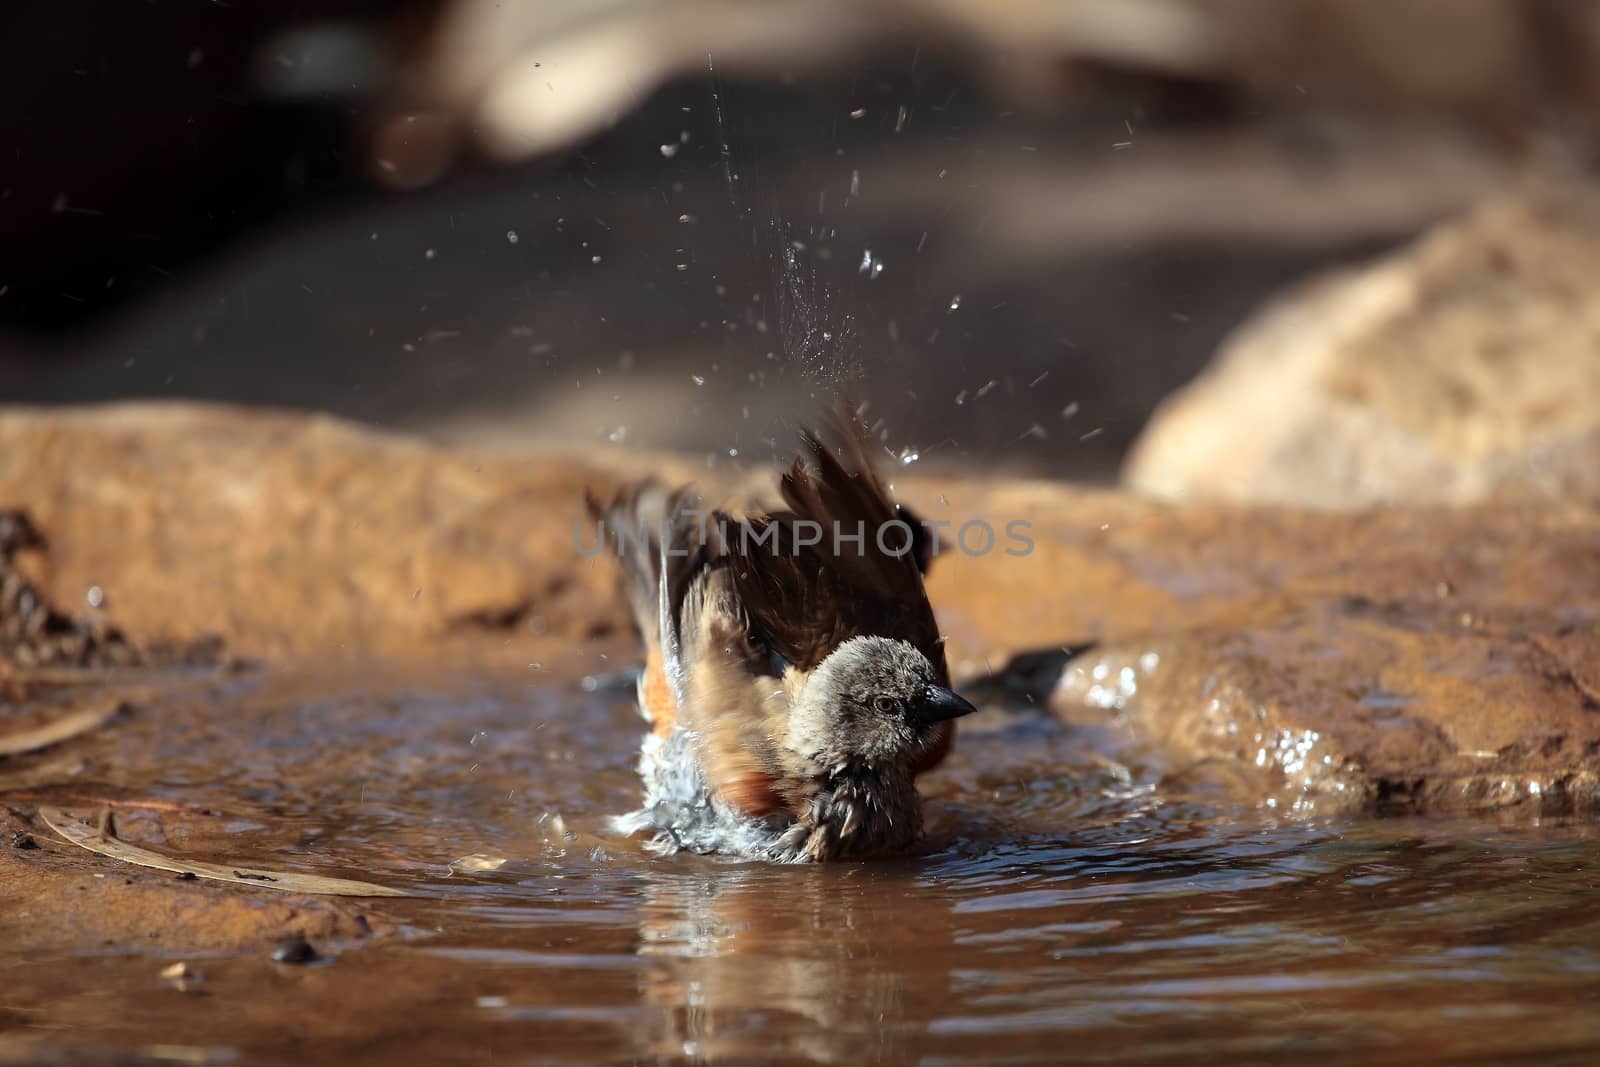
x: 1078, y: 900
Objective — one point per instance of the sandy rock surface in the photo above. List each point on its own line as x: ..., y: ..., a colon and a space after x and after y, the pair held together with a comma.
x: 1463, y: 369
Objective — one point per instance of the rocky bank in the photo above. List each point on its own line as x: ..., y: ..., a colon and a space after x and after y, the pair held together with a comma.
x: 1426, y: 657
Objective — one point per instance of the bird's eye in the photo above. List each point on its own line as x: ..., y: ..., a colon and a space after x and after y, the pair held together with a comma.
x: 884, y: 705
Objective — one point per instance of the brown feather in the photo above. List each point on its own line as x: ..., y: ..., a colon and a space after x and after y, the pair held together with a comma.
x: 633, y: 524
x: 753, y: 793
x: 659, y: 703
x: 806, y: 601
x: 731, y: 697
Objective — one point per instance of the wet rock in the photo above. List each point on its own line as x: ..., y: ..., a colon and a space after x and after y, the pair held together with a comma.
x: 1462, y: 369
x: 295, y: 949
x: 1415, y: 658
x: 1360, y: 705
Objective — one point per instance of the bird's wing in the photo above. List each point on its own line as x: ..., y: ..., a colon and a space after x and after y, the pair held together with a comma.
x: 661, y: 541
x: 805, y: 600
x: 701, y: 668
x: 733, y: 701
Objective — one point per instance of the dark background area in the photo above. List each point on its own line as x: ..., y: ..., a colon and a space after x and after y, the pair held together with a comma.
x: 208, y: 200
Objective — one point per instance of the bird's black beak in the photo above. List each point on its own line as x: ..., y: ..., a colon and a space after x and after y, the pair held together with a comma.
x: 940, y: 705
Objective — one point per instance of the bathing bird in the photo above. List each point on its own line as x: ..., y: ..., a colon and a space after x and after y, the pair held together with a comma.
x: 795, y: 679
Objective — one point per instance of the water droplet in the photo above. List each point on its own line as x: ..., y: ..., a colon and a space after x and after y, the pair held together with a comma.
x: 855, y: 183
x: 908, y: 457
x: 669, y: 150
x: 617, y: 436
x: 429, y: 254
x: 955, y: 302
x: 697, y: 379
x: 858, y: 113
x: 511, y: 236
x: 594, y: 259
x: 95, y: 596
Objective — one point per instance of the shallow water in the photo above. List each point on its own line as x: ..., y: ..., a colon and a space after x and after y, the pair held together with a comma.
x: 1074, y: 903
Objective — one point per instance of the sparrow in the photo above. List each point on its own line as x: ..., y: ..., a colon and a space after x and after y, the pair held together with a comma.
x: 795, y: 681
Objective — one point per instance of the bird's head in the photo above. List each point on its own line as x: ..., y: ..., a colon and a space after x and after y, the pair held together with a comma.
x: 873, y: 703
x: 866, y: 720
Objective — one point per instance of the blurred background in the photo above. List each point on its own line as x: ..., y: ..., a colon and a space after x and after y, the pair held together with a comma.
x: 666, y: 223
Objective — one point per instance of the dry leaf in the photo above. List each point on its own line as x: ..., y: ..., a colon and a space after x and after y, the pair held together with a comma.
x: 62, y: 729
x: 73, y: 830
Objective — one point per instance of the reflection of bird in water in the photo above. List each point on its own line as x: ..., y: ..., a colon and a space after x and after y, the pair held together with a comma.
x: 795, y: 676
x: 753, y: 963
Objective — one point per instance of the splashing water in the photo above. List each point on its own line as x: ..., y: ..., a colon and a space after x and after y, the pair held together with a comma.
x: 814, y: 338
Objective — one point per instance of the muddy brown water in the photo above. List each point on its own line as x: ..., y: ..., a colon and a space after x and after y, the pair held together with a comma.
x: 1078, y: 900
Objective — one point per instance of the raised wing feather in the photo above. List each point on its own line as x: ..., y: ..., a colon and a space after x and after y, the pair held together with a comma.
x: 805, y: 599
